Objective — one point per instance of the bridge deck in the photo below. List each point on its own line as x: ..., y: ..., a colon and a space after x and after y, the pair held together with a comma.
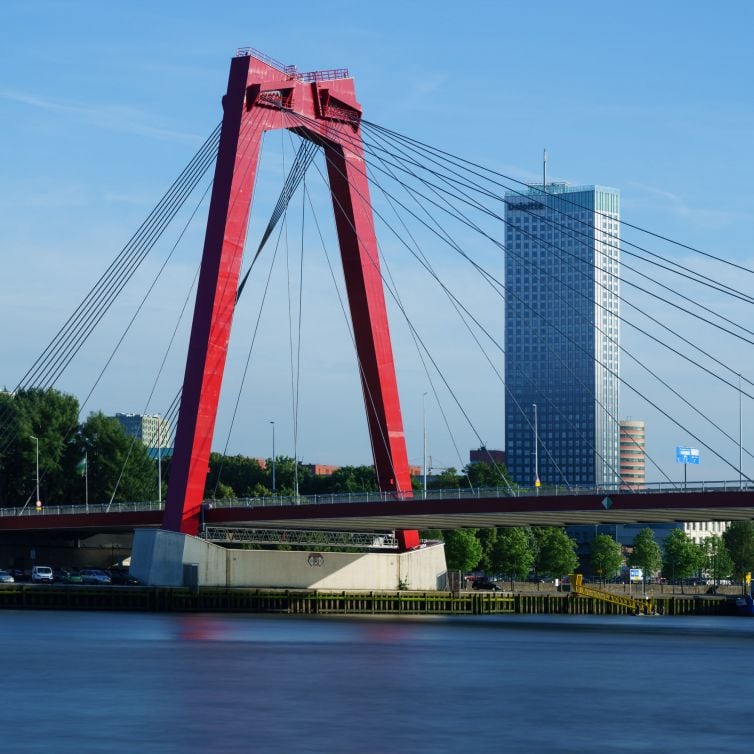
x: 441, y: 513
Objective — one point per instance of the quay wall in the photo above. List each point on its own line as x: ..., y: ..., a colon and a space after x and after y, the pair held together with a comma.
x: 331, y: 602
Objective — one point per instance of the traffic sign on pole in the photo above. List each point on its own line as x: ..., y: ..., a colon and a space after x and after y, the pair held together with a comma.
x: 687, y: 455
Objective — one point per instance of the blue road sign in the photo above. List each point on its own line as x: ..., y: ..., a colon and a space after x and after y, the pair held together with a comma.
x: 687, y: 455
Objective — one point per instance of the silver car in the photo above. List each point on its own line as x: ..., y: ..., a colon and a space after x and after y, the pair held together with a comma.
x: 6, y: 578
x: 94, y: 576
x: 41, y: 575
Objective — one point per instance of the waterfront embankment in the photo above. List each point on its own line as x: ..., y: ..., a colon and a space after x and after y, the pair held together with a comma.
x: 317, y: 602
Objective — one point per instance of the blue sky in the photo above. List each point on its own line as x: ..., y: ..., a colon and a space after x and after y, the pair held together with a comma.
x: 102, y: 104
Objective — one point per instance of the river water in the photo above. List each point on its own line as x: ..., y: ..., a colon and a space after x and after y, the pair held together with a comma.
x: 143, y: 683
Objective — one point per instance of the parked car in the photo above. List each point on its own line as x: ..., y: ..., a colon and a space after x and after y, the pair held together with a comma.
x: 120, y: 575
x: 94, y: 576
x: 66, y: 575
x: 19, y: 574
x: 485, y: 584
x: 42, y: 575
x: 6, y: 578
x: 73, y: 576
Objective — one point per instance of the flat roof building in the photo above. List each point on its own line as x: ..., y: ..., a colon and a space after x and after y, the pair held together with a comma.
x: 562, y: 335
x: 152, y: 430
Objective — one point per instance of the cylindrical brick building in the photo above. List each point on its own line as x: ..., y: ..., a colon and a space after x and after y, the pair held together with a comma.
x: 632, y: 454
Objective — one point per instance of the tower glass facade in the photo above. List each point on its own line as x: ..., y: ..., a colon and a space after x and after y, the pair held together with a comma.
x: 562, y: 334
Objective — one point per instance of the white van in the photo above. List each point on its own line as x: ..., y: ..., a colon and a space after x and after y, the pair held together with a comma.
x: 41, y: 575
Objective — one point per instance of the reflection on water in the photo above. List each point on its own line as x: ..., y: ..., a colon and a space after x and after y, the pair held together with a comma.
x: 95, y: 682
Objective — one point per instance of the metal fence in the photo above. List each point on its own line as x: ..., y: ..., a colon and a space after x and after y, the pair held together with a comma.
x: 467, y: 493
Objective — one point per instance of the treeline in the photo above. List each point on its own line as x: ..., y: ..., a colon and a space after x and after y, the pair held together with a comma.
x: 715, y: 558
x: 116, y: 467
x: 549, y: 552
x: 240, y: 477
x: 119, y: 468
x: 513, y: 552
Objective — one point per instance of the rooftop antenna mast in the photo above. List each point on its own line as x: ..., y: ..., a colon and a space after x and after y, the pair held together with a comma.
x: 544, y: 170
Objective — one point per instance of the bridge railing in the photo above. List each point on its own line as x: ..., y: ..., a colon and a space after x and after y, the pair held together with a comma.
x: 82, y: 509
x: 467, y: 493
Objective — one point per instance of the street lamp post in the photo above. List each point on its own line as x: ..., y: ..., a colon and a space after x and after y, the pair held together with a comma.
x: 536, y: 449
x: 740, y: 438
x: 424, y: 457
x: 273, y: 455
x: 36, y: 440
x: 159, y: 461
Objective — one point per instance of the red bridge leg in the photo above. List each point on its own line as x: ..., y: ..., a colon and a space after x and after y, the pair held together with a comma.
x: 354, y: 221
x: 215, y: 304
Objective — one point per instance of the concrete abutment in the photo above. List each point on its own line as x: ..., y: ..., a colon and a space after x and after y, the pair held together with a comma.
x: 165, y: 558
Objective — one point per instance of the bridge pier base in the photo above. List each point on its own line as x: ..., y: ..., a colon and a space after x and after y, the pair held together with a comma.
x: 166, y: 558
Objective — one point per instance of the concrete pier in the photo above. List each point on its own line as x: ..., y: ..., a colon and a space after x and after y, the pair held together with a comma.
x: 165, y: 558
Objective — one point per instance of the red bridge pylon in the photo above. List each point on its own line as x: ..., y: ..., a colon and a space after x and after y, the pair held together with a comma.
x: 320, y: 106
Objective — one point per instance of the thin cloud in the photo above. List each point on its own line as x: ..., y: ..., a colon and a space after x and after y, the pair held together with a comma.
x: 106, y: 116
x: 699, y: 216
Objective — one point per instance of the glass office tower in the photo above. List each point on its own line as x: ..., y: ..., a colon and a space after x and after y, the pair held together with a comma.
x: 562, y: 335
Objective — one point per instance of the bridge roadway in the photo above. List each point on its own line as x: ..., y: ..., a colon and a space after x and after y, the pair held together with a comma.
x: 448, y: 509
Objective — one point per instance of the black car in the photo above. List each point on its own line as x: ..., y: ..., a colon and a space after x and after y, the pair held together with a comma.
x: 120, y: 575
x: 19, y: 574
x: 485, y: 584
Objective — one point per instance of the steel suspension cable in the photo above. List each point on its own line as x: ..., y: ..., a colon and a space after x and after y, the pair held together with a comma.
x: 462, y: 218
x: 428, y: 266
x: 461, y: 161
x: 133, y: 253
x: 53, y: 358
x: 656, y: 321
x: 482, y: 208
x: 396, y: 298
x: 664, y: 383
x: 641, y: 364
x: 591, y: 228
x: 303, y: 159
x: 248, y: 361
x: 455, y: 246
x: 669, y: 417
x: 623, y: 381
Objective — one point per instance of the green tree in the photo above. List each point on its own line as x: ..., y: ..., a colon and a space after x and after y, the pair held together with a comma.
x: 513, y: 552
x: 449, y: 479
x: 286, y: 471
x: 487, y: 539
x: 556, y: 552
x: 683, y: 558
x: 463, y: 550
x: 349, y: 479
x: 224, y: 492
x: 241, y: 473
x: 51, y: 417
x: 606, y: 556
x: 647, y: 554
x: 487, y: 475
x: 119, y: 465
x: 739, y: 540
x: 717, y: 561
